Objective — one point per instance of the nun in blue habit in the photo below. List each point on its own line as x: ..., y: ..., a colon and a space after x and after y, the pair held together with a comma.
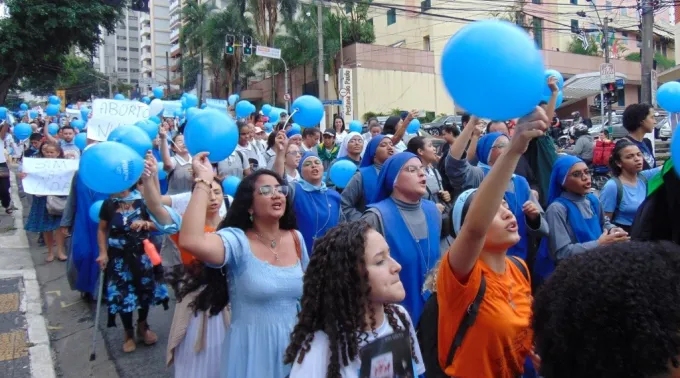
x: 574, y: 215
x: 362, y: 187
x: 411, y: 225
x: 84, y: 248
x: 518, y: 195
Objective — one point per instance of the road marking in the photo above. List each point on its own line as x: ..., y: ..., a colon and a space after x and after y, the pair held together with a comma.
x: 57, y: 292
x: 64, y: 305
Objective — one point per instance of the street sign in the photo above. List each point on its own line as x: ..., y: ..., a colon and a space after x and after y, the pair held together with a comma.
x: 620, y: 83
x: 655, y: 83
x: 607, y: 73
x: 268, y: 52
x: 286, y: 97
x: 343, y: 92
x: 331, y: 102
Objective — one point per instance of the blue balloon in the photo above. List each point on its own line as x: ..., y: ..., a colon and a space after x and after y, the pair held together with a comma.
x: 80, y: 141
x: 78, y: 124
x: 266, y: 108
x: 675, y: 150
x: 85, y: 112
x: 162, y: 174
x: 274, y: 115
x: 341, y: 172
x: 119, y: 96
x: 560, y: 81
x: 22, y: 131
x: 183, y: 101
x: 158, y: 92
x: 184, y: 95
x: 146, y: 100
x: 491, y: 60
x: 54, y: 100
x: 177, y: 113
x: 23, y: 107
x: 51, y: 110
x: 133, y: 137
x: 204, y: 105
x: 668, y: 96
x: 191, y: 112
x: 155, y: 119
x: 230, y: 184
x: 110, y: 167
x: 356, y: 126
x: 211, y: 131
x: 53, y: 128
x: 191, y: 100
x: 149, y: 127
x: 3, y: 112
x: 233, y: 99
x: 243, y: 109
x: 308, y: 111
x: 69, y: 106
x: 95, y: 209
x: 413, y: 127
x: 33, y: 114
x: 268, y: 127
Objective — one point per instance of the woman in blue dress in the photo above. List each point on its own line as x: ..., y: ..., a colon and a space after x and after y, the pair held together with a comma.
x: 265, y: 258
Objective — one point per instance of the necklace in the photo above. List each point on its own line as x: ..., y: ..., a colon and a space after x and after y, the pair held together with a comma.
x: 271, y: 246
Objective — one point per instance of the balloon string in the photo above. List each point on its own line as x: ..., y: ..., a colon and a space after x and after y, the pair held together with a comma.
x: 289, y: 118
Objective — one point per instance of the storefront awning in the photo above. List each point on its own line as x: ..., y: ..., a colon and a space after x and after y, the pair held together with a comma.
x: 582, y: 86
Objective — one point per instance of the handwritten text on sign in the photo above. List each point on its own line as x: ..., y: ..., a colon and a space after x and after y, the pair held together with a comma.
x: 109, y: 114
x: 48, y: 176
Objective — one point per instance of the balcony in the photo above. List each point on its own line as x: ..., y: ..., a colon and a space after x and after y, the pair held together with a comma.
x: 174, y: 20
x: 175, y: 50
x: 145, y: 30
x: 144, y: 19
x: 173, y: 5
x: 145, y: 43
x: 146, y: 56
x: 174, y: 36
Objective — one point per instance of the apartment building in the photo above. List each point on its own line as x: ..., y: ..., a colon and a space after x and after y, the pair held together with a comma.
x: 119, y: 56
x: 156, y: 45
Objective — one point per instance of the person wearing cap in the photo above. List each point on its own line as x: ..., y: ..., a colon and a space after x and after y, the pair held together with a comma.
x: 327, y: 149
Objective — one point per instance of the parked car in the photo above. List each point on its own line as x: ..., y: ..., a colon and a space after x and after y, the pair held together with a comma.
x: 665, y: 131
x: 435, y: 127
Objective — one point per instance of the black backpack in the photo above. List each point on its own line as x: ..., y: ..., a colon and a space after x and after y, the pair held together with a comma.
x: 428, y: 327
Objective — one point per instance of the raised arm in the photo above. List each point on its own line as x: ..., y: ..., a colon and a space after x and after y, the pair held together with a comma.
x: 152, y: 191
x: 554, y: 91
x: 466, y: 248
x: 399, y: 132
x: 460, y: 144
x: 165, y: 150
x: 280, y: 147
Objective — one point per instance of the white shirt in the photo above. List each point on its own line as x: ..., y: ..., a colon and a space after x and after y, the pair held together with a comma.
x: 315, y: 363
x: 179, y: 203
x: 293, y: 179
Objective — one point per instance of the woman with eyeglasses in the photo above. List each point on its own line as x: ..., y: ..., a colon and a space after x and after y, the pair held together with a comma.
x: 575, y: 217
x: 317, y: 209
x: 410, y: 224
x: 265, y: 258
x: 350, y: 149
x: 362, y: 186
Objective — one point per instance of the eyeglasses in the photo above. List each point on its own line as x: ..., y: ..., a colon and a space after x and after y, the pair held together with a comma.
x: 415, y: 169
x: 309, y: 163
x: 268, y: 190
x: 355, y: 141
x: 294, y: 153
x: 581, y: 174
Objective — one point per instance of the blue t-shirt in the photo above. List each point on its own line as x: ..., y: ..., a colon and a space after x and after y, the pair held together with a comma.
x: 630, y: 200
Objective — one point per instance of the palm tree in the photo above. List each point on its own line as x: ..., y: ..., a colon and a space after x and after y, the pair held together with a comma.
x: 298, y: 45
x: 192, y: 34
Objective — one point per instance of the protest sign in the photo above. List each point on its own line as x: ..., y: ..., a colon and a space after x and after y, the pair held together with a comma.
x: 48, y: 176
x: 73, y: 114
x: 109, y: 114
x: 169, y: 108
x: 387, y: 357
x: 215, y: 103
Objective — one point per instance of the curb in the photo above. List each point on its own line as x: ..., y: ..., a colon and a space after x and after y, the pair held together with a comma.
x: 40, y: 354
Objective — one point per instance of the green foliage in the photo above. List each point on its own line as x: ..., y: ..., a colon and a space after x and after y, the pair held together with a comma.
x: 576, y: 47
x: 633, y: 57
x: 369, y: 115
x: 41, y: 32
x: 73, y: 74
x: 662, y: 63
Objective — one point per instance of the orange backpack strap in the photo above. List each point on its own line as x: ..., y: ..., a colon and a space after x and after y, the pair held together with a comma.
x: 298, y: 247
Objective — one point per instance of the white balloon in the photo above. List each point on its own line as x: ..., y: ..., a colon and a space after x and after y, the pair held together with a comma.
x: 155, y: 107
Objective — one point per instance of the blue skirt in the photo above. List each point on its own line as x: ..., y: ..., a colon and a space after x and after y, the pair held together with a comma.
x: 39, y: 220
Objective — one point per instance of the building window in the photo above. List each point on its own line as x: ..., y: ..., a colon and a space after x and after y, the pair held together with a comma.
x: 133, y: 28
x: 122, y: 48
x: 573, y: 1
x: 425, y: 5
x: 133, y: 38
x: 134, y: 49
x: 538, y: 31
x: 134, y: 60
x: 122, y: 69
x: 639, y: 41
x: 621, y: 94
x: 624, y: 11
x: 426, y: 43
x: 348, y: 7
x: 664, y: 49
x: 574, y: 26
x: 134, y: 70
x: 391, y: 16
x: 132, y: 18
x: 536, y: 1
x: 122, y: 59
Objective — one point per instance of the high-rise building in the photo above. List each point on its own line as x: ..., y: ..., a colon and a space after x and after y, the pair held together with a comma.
x: 155, y: 33
x: 119, y: 56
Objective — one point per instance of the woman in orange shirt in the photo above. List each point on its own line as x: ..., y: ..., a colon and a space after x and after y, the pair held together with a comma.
x: 476, y: 276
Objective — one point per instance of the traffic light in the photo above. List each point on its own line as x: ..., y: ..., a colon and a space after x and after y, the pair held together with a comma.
x: 610, y: 93
x: 230, y: 44
x: 247, y: 45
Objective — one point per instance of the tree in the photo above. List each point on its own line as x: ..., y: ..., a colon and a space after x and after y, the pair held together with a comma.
x: 662, y: 63
x: 576, y: 46
x: 39, y: 32
x: 76, y: 76
x: 192, y: 34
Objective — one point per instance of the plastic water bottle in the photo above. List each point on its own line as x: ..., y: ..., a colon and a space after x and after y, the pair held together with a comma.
x: 151, y: 252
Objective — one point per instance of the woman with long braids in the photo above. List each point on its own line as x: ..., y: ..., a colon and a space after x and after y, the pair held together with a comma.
x: 265, y: 258
x: 350, y: 288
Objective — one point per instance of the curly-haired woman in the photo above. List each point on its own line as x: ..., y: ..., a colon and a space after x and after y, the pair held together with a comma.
x: 349, y: 288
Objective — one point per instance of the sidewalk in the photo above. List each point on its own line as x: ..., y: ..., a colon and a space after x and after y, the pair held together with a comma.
x: 24, y: 341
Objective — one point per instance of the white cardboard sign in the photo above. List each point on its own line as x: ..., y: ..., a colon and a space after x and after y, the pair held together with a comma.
x: 107, y: 115
x: 48, y: 176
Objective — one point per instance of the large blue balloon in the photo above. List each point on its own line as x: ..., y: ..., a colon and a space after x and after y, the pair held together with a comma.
x: 675, y: 150
x: 146, y: 100
x: 22, y: 131
x: 204, y: 105
x: 3, y: 112
x: 230, y: 184
x: 177, y: 113
x: 191, y: 100
x: 211, y: 131
x: 80, y: 141
x: 78, y: 124
x: 149, y: 127
x: 268, y: 127
x: 110, y: 167
x: 274, y: 115
x: 308, y: 111
x: 54, y: 100
x: 53, y: 128
x: 266, y: 108
x: 133, y: 137
x: 52, y: 110
x: 158, y: 92
x: 341, y: 172
x: 356, y: 126
x: 243, y: 109
x: 233, y: 99
x: 23, y: 107
x: 668, y: 96
x: 183, y: 101
x: 192, y: 112
x: 85, y: 112
x: 119, y: 96
x: 413, y: 127
x: 487, y: 64
x: 95, y: 209
x: 34, y: 114
x: 155, y: 119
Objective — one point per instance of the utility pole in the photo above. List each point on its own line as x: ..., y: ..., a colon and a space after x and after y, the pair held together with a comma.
x: 647, y: 52
x: 319, y: 32
x: 167, y: 71
x: 605, y: 49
